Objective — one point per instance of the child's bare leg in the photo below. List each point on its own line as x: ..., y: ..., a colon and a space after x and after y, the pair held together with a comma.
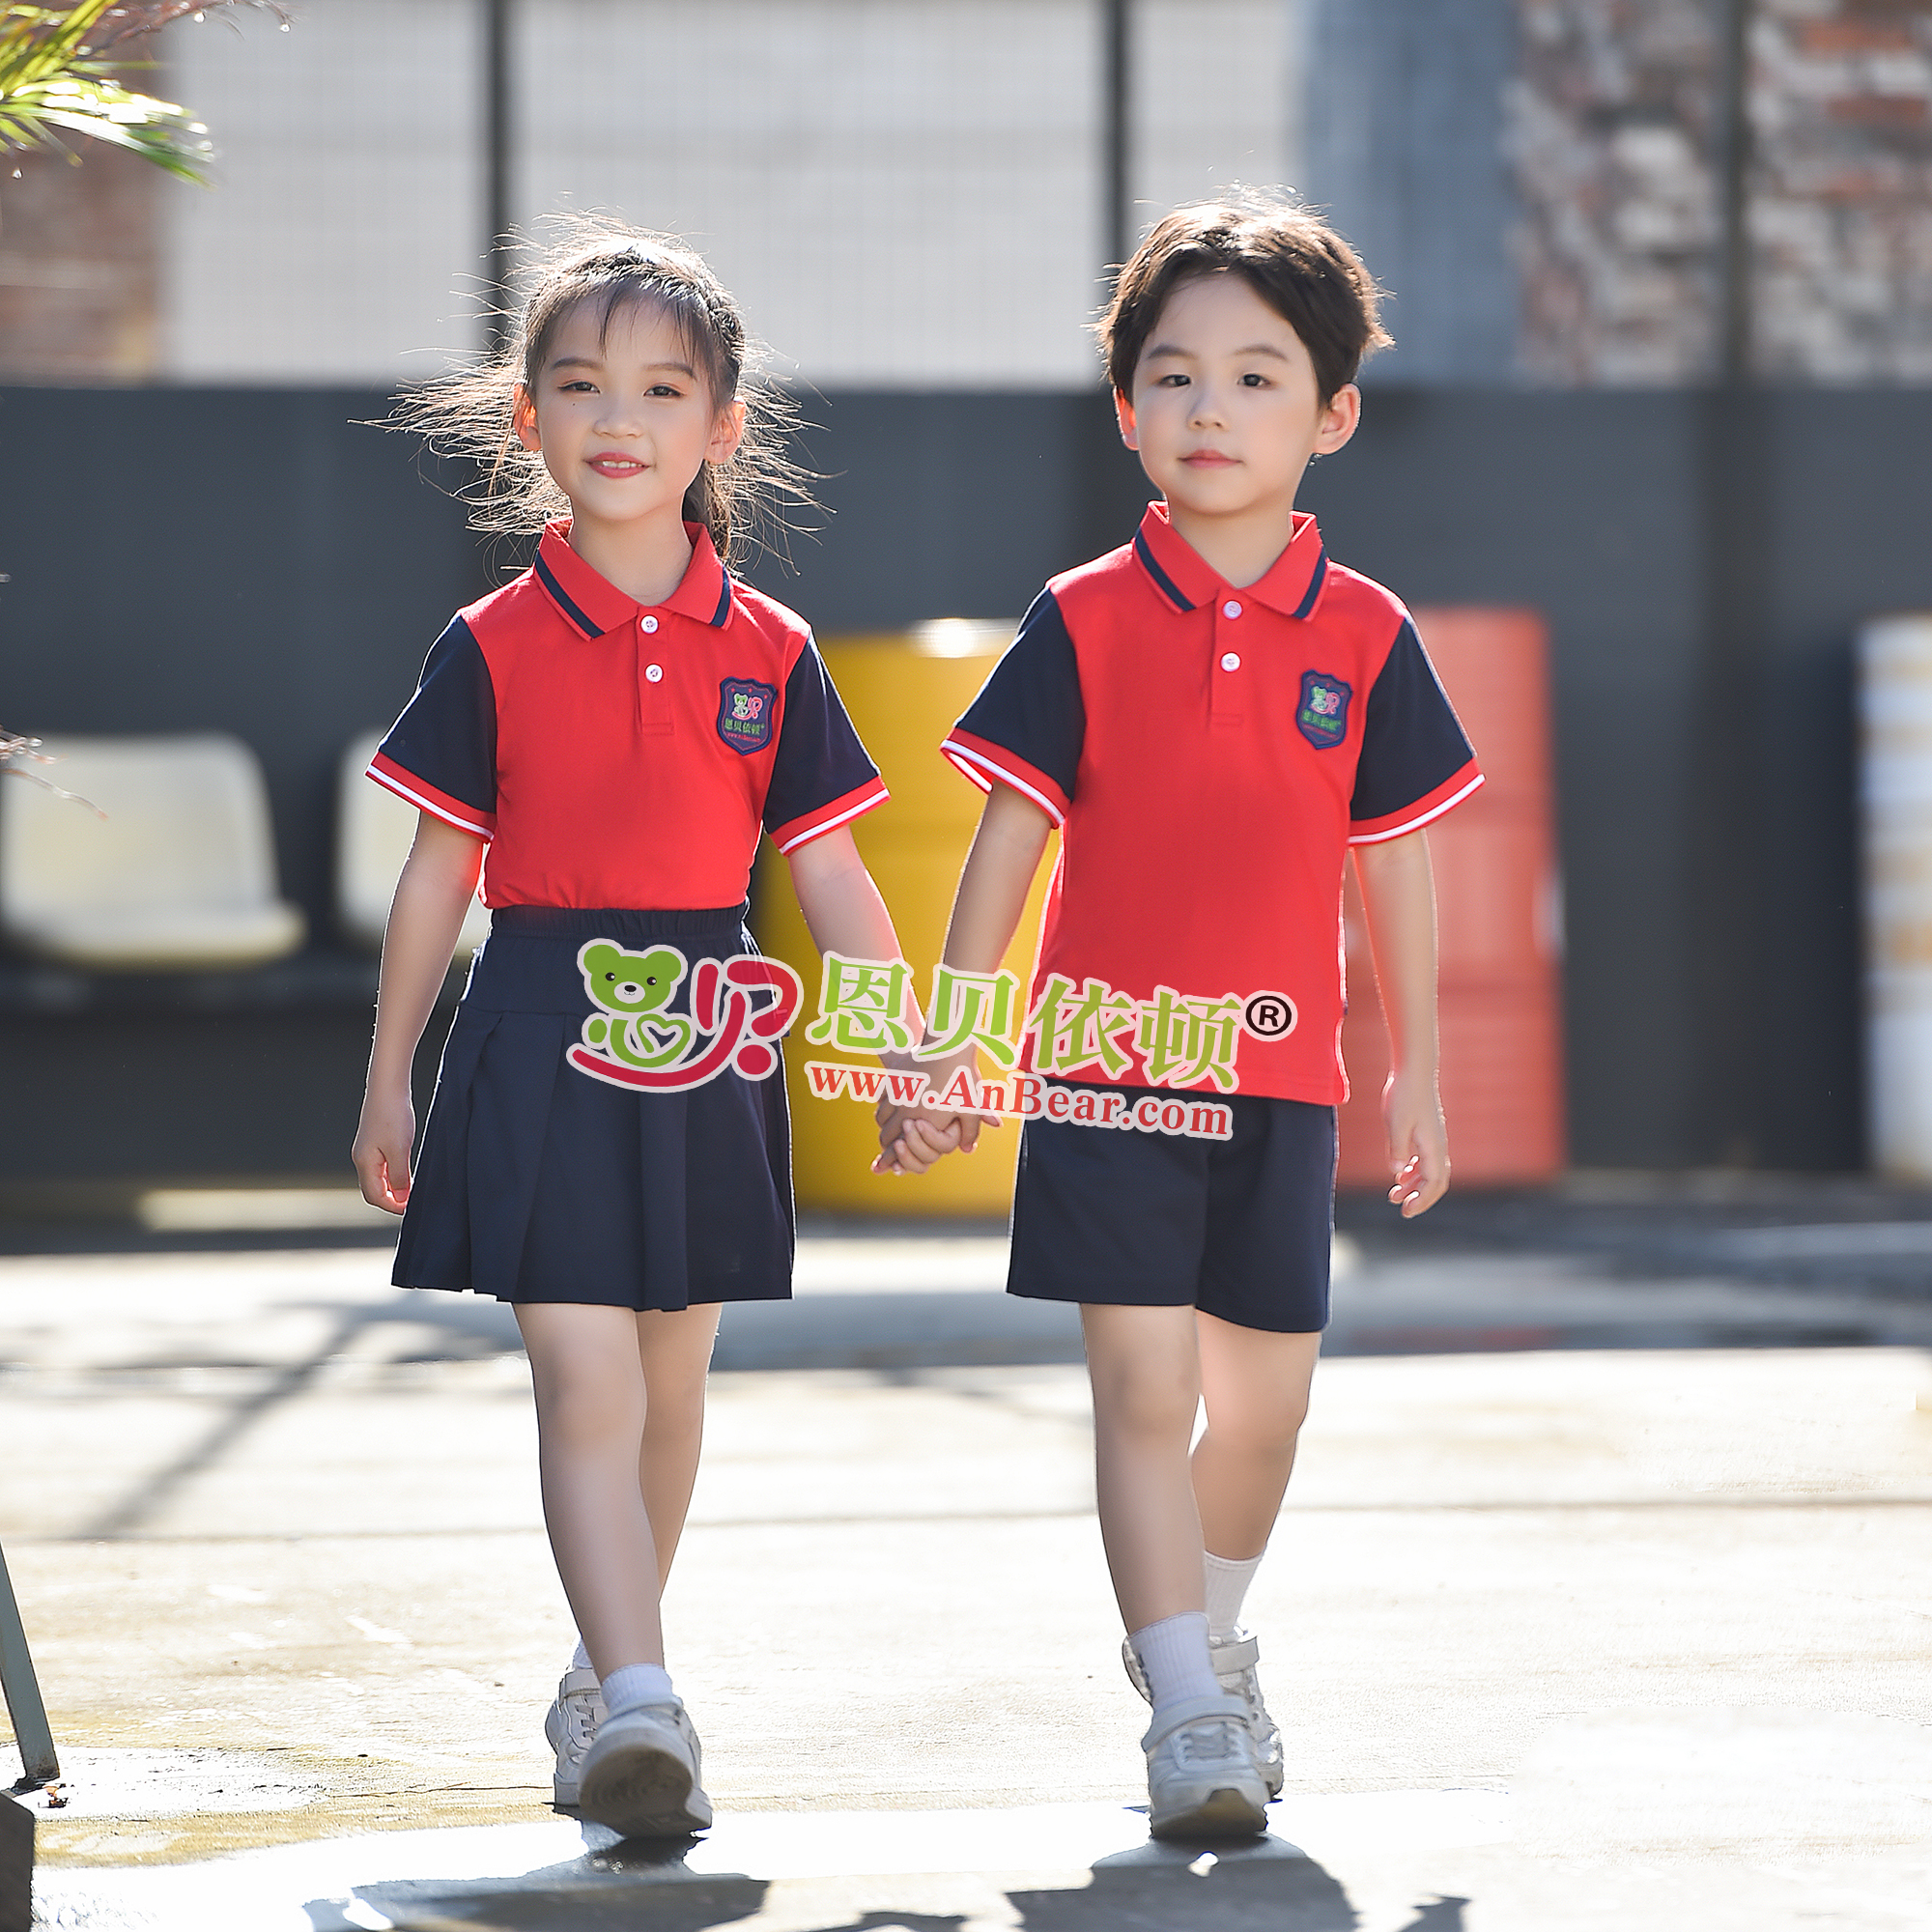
x: 589, y: 1381
x: 1147, y: 1387
x: 1255, y: 1387
x: 676, y: 1351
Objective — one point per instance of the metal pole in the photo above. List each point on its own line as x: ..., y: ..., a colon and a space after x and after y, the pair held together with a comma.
x: 496, y: 145
x: 23, y: 1691
x: 1732, y: 167
x: 1730, y: 885
x: 1116, y: 116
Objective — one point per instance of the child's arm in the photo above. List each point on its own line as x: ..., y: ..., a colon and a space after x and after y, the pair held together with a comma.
x: 434, y: 893
x: 986, y: 913
x: 845, y: 913
x: 1399, y: 896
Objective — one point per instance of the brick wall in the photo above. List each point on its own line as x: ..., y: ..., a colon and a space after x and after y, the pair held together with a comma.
x: 79, y: 267
x: 1612, y: 133
x: 1841, y: 190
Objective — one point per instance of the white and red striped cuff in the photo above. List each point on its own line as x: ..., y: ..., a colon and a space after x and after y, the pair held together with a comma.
x: 840, y: 811
x: 426, y: 798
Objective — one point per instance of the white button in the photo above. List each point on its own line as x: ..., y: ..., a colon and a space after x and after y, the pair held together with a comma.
x: 654, y: 673
x: 1231, y: 661
x: 648, y: 625
x: 1231, y: 608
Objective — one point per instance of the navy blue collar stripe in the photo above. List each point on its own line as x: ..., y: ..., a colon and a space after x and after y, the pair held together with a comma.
x: 547, y: 577
x: 1163, y: 581
x: 723, y: 609
x: 1307, y: 603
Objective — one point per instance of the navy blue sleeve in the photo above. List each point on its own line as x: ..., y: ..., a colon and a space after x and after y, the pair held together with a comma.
x: 1028, y: 721
x: 820, y: 775
x: 1415, y: 750
x: 440, y: 755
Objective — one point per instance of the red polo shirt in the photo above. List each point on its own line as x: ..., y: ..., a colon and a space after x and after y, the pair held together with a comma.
x: 616, y: 753
x: 1210, y: 755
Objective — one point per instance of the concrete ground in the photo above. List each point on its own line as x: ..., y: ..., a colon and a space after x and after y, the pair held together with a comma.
x: 1581, y: 1613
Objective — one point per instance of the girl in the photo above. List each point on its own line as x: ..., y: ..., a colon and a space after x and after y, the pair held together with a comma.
x: 608, y: 1150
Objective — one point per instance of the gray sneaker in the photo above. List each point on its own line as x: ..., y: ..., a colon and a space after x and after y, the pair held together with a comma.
x: 1202, y: 1781
x: 1234, y: 1657
x: 640, y: 1776
x: 570, y: 1725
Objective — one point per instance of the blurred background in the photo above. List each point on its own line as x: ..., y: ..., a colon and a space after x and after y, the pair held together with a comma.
x: 1649, y: 455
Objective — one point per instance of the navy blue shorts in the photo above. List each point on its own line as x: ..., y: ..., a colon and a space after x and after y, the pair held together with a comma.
x: 1238, y: 1228
x: 536, y: 1183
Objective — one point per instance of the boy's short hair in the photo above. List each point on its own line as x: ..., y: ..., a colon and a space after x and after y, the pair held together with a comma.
x: 1291, y: 258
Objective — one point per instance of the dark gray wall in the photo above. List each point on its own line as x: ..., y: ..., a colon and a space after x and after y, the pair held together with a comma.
x: 1403, y: 117
x: 1704, y: 563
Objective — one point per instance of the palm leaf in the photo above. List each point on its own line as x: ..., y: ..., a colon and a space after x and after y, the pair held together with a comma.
x: 49, y: 84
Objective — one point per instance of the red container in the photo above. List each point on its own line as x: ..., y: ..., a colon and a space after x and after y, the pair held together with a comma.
x: 1499, y: 923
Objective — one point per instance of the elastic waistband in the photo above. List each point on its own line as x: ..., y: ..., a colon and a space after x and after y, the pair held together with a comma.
x: 619, y: 923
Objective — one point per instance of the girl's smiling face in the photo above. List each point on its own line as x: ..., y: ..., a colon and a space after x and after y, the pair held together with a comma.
x: 624, y: 418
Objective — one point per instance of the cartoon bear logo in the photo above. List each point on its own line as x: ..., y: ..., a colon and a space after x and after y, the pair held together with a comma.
x: 745, y: 709
x: 634, y: 989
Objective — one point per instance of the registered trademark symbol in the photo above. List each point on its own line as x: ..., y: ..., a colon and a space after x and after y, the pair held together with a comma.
x: 1268, y: 1016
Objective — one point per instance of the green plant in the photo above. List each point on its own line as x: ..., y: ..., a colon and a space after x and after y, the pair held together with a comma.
x: 53, y: 81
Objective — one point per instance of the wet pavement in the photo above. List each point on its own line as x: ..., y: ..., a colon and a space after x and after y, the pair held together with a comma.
x: 1598, y: 1597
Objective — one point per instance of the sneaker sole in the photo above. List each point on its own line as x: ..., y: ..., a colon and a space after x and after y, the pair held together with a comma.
x: 644, y: 1794
x: 1227, y: 1812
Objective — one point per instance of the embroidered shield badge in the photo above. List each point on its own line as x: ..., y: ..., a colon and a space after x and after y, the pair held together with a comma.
x: 745, y: 709
x: 1322, y: 714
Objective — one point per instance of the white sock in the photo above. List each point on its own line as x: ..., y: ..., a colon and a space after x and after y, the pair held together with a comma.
x: 580, y: 1659
x: 1174, y: 1655
x: 1227, y: 1581
x: 633, y: 1685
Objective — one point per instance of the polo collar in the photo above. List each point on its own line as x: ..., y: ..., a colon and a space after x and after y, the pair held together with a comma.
x: 1293, y: 585
x: 592, y: 605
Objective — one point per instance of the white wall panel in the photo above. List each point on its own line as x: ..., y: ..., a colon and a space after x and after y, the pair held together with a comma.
x: 1216, y: 91
x: 348, y: 211
x: 899, y: 192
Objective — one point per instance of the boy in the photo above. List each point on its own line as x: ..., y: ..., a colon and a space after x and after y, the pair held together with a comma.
x: 1214, y: 716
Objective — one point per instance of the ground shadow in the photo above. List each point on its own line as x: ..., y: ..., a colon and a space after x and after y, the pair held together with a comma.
x: 1439, y: 1915
x: 1270, y: 1889
x: 1266, y: 1887
x: 672, y: 1902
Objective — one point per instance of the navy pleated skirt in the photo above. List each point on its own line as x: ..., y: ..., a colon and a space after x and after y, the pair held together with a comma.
x: 537, y: 1183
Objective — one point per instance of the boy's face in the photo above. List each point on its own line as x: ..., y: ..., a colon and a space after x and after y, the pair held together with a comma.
x: 1226, y: 411
x: 623, y: 424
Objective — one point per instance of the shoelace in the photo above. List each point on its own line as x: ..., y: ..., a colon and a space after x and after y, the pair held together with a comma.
x: 1246, y: 1687
x: 1208, y: 1744
x: 580, y: 1721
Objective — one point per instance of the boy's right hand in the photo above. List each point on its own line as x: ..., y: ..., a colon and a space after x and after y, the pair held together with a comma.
x: 381, y: 1151
x: 913, y: 1139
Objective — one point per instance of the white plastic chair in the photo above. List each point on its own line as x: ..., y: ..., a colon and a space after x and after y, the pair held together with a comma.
x: 180, y: 876
x: 373, y: 832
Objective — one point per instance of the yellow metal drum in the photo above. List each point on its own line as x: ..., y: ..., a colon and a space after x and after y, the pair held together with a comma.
x: 904, y: 694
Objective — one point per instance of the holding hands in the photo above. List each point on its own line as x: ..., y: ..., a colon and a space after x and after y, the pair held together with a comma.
x: 913, y: 1139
